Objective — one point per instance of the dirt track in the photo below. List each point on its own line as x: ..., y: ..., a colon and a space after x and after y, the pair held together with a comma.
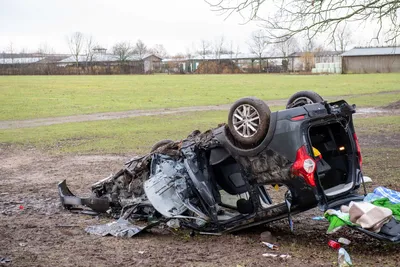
x: 104, y: 116
x: 151, y: 112
x: 36, y: 231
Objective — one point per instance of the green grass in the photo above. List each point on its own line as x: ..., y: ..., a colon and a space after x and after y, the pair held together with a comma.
x: 25, y: 97
x: 378, y: 125
x: 133, y: 135
x: 380, y: 150
x: 382, y: 165
x: 136, y: 135
x: 375, y: 100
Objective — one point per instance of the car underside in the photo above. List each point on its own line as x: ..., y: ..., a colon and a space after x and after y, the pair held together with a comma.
x: 226, y: 179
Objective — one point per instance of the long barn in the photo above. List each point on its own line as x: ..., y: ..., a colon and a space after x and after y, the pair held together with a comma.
x: 371, y: 60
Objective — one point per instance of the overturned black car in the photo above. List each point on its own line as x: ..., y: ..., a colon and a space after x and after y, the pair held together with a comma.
x: 219, y: 180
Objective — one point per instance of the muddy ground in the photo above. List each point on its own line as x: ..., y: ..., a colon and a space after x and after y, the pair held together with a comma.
x: 36, y: 231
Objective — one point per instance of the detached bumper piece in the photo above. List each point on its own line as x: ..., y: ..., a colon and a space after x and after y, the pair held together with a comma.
x: 91, y: 206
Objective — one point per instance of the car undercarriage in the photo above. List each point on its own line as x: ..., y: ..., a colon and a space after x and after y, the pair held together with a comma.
x: 221, y: 180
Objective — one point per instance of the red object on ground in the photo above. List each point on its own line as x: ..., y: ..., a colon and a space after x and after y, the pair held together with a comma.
x: 21, y: 207
x: 333, y: 244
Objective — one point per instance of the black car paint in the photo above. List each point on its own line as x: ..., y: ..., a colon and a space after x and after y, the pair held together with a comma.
x: 269, y: 162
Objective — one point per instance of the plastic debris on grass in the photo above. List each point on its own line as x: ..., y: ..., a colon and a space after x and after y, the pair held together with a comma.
x: 271, y: 246
x: 5, y: 260
x: 334, y: 244
x: 344, y: 259
x: 367, y: 179
x: 319, y: 218
x: 272, y: 255
x: 344, y: 241
x: 119, y: 228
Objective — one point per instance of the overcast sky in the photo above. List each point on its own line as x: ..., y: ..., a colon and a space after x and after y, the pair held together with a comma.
x: 177, y: 24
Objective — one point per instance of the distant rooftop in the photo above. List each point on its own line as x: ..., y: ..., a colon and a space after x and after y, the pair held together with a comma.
x: 31, y: 58
x: 318, y: 54
x: 372, y: 51
x: 104, y: 58
x: 234, y: 56
x: 25, y: 60
x: 99, y: 48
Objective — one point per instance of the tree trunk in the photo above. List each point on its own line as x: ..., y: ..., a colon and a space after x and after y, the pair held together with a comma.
x: 77, y: 66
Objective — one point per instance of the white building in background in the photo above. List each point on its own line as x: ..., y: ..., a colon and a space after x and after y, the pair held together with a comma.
x: 302, y: 61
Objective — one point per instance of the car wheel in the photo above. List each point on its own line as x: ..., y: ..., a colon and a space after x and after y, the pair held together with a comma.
x: 160, y: 144
x: 303, y: 98
x: 248, y: 120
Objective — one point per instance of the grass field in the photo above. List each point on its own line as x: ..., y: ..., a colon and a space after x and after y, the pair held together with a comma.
x: 375, y: 100
x: 47, y: 96
x: 25, y: 97
x: 136, y: 135
x: 114, y: 136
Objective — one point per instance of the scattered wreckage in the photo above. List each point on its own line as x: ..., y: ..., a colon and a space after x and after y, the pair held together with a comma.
x: 311, y: 148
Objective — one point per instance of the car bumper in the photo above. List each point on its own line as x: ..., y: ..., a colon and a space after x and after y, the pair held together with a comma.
x: 86, y: 205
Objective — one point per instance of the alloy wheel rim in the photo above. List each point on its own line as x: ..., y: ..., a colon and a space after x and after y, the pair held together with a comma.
x: 301, y: 101
x: 246, y: 120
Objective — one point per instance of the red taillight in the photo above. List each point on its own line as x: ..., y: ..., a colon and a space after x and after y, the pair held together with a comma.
x: 358, y: 149
x: 298, y: 118
x: 304, y: 166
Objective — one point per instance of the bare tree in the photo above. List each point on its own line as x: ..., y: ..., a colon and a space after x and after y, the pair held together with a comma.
x: 23, y: 50
x: 342, y: 39
x: 140, y: 49
x: 287, y: 46
x: 204, y: 50
x: 75, y: 43
x: 316, y: 16
x: 189, y: 54
x: 309, y: 43
x: 159, y: 50
x: 234, y: 53
x: 11, y: 51
x: 308, y: 60
x: 191, y: 50
x: 175, y: 65
x: 89, y: 52
x: 3, y: 56
x: 45, y: 49
x: 257, y: 45
x: 219, y: 47
x: 309, y: 49
x: 237, y: 51
x: 123, y: 50
x: 219, y: 50
x: 310, y: 46
x: 230, y: 51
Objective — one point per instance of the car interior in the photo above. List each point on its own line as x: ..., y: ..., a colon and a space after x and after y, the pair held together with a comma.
x: 333, y: 142
x: 232, y: 187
